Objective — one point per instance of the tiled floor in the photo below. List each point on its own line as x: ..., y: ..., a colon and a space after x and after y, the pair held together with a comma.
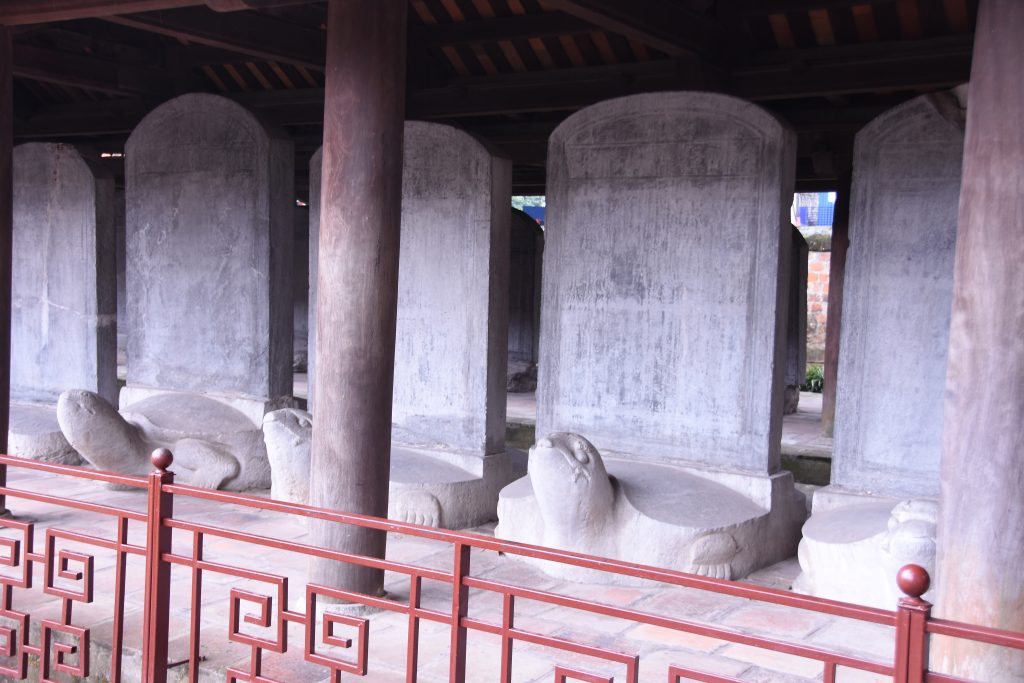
x: 657, y: 647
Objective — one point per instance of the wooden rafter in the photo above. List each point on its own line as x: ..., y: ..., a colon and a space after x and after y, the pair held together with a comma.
x: 247, y: 33
x: 81, y: 71
x: 22, y: 12
x: 666, y: 26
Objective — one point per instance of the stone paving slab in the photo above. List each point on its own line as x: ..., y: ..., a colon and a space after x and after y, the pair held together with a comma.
x: 657, y: 647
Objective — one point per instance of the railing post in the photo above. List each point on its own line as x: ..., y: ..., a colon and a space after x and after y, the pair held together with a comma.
x: 460, y: 609
x: 158, y: 572
x: 911, y: 619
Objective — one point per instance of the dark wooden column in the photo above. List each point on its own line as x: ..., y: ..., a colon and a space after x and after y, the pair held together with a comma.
x: 6, y: 234
x: 981, y: 523
x: 357, y: 282
x: 834, y: 322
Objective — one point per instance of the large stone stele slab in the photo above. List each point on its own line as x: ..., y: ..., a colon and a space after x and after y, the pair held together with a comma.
x: 448, y: 412
x: 663, y: 312
x: 63, y: 325
x: 209, y: 252
x: 892, y: 370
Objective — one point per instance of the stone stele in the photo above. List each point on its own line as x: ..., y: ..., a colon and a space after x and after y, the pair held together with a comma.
x: 666, y: 268
x: 796, y: 325
x: 63, y: 324
x: 448, y: 455
x: 879, y: 511
x: 209, y: 254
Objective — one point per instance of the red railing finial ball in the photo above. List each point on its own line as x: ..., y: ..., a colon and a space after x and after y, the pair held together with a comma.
x: 162, y: 458
x: 913, y: 580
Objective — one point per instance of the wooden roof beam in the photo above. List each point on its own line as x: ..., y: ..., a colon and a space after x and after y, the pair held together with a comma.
x: 760, y: 7
x: 513, y: 27
x: 21, y: 12
x: 89, y: 73
x: 247, y: 33
x: 666, y: 26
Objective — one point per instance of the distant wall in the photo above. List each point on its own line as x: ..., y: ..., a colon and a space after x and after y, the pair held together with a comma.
x: 818, y: 263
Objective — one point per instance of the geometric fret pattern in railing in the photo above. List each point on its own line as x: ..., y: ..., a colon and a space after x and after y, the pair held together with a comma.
x: 263, y: 605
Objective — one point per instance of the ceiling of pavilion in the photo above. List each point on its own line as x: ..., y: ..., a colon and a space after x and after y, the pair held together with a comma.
x: 507, y: 70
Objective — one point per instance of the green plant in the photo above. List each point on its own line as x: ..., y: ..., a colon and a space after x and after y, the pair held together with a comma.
x: 815, y: 379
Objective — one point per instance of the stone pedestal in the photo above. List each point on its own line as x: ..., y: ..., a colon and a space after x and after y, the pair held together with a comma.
x: 666, y: 270
x: 63, y: 321
x: 209, y: 252
x: 895, y: 335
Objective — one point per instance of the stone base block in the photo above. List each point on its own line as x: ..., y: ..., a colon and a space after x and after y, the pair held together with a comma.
x: 853, y: 545
x: 719, y: 524
x: 428, y: 486
x: 446, y: 489
x: 34, y: 433
x: 791, y: 399
x: 253, y: 408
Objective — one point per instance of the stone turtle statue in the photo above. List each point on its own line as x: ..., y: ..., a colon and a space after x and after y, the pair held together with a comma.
x: 631, y: 510
x: 288, y: 433
x: 852, y: 552
x: 214, y: 445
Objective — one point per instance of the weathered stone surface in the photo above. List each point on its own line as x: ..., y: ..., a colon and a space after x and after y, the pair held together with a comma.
x: 853, y: 552
x: 213, y: 445
x: 895, y: 335
x: 575, y: 500
x: 448, y: 409
x: 450, y: 354
x: 664, y: 280
x: 663, y: 335
x: 209, y: 250
x: 796, y: 324
x: 427, y: 486
x: 898, y: 294
x: 34, y: 433
x: 122, y: 292
x: 315, y: 175
x: 526, y: 250
x: 288, y: 434
x: 300, y: 291
x: 63, y: 321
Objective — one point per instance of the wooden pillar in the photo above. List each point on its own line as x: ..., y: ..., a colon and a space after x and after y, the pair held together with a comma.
x: 834, y: 322
x: 6, y: 236
x: 357, y: 281
x: 981, y: 522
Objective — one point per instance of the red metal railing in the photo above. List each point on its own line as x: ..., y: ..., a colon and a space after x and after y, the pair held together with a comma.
x: 63, y: 647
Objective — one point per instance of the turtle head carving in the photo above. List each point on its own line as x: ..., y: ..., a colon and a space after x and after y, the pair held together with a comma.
x: 91, y: 424
x: 573, y: 490
x: 910, y: 538
x: 289, y: 425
